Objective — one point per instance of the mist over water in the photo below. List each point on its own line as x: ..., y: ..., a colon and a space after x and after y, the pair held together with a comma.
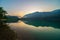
x: 29, y: 19
x: 37, y: 30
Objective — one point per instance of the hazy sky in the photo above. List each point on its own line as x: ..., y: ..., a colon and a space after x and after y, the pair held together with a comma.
x: 22, y: 7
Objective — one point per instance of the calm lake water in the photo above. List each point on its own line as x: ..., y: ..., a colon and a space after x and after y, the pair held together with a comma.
x: 36, y: 30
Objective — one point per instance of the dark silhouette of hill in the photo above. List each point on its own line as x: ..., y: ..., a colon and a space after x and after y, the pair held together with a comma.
x: 52, y: 15
x: 12, y: 19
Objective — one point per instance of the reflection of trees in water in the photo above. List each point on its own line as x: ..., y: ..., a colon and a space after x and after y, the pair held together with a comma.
x: 5, y: 32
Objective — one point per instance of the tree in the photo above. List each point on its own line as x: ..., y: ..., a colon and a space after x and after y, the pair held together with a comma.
x: 2, y: 13
x: 5, y: 32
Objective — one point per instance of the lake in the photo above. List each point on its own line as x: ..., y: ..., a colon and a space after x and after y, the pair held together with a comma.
x: 36, y: 30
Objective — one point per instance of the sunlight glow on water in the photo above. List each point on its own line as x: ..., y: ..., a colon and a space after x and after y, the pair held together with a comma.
x: 30, y: 31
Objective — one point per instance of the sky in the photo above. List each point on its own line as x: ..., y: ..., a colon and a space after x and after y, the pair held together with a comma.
x: 23, y: 7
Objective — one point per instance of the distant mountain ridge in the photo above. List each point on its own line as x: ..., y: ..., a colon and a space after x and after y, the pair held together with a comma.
x: 11, y: 19
x: 53, y: 15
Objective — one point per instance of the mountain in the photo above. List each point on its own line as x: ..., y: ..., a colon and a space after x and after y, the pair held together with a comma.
x: 52, y: 15
x: 12, y: 19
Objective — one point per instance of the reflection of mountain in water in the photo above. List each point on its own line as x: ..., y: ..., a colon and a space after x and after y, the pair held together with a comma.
x: 54, y: 24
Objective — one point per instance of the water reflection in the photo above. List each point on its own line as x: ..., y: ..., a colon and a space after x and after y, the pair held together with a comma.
x: 6, y: 33
x: 37, y: 30
x: 55, y: 24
